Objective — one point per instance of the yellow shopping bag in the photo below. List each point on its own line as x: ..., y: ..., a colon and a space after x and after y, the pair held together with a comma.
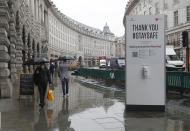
x: 50, y: 95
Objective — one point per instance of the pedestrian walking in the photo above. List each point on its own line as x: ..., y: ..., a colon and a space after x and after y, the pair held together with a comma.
x: 51, y: 69
x: 64, y: 75
x: 56, y: 69
x: 55, y: 80
x: 41, y: 79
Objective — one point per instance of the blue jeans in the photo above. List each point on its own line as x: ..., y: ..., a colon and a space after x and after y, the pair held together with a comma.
x: 65, y: 82
x: 51, y: 73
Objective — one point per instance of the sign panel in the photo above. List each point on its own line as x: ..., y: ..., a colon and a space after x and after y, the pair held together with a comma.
x: 26, y: 84
x: 145, y: 66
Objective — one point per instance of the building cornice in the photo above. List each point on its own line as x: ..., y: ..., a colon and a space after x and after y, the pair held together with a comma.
x: 130, y: 5
x: 179, y: 28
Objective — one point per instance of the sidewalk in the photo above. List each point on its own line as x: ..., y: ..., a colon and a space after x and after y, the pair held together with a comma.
x: 88, y: 108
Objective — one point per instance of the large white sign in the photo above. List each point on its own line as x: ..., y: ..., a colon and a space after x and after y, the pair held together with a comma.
x: 145, y: 62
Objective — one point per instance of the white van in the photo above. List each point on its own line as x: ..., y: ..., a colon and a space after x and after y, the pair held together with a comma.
x: 102, y: 63
x: 172, y: 60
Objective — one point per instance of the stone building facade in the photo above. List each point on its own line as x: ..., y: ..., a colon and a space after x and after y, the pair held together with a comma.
x: 70, y: 37
x: 35, y: 28
x: 177, y: 17
x: 22, y: 36
x: 120, y: 47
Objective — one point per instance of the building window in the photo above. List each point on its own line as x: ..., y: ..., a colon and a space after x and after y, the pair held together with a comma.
x: 150, y: 11
x: 166, y: 21
x: 41, y: 14
x: 157, y: 8
x: 165, y: 5
x: 175, y: 18
x: 140, y: 7
x: 145, y: 13
x: 188, y: 13
x: 175, y: 2
x: 136, y: 11
x: 144, y: 3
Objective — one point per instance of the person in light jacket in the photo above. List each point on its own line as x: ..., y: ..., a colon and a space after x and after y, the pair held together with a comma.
x: 64, y: 75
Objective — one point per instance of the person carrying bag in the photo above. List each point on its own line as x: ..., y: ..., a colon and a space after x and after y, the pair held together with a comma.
x: 41, y: 79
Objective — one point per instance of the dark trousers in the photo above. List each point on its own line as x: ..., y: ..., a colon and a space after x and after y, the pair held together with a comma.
x: 42, y: 90
x: 65, y: 82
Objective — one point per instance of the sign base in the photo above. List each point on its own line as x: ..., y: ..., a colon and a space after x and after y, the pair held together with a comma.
x: 156, y: 108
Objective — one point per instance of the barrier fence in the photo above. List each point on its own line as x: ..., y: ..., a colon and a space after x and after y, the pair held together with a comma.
x: 174, y: 79
x: 102, y: 74
x: 178, y: 80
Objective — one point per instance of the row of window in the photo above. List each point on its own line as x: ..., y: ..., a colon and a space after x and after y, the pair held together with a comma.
x: 176, y: 16
x: 37, y: 10
x: 96, y: 53
x: 137, y: 11
x: 61, y: 44
x: 87, y: 44
x: 142, y: 5
x: 62, y: 37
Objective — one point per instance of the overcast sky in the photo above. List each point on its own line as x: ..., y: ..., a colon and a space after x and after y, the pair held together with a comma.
x: 95, y: 13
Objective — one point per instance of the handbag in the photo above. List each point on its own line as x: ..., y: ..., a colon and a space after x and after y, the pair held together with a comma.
x: 50, y: 95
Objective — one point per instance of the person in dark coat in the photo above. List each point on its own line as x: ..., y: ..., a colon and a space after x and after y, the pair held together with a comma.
x: 41, y: 79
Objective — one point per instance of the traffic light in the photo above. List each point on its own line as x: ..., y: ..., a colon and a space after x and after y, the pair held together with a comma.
x: 185, y: 39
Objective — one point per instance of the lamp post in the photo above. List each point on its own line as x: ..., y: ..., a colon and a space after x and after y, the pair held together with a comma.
x: 185, y: 41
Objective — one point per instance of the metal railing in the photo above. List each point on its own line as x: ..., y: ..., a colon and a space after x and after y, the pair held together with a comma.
x: 102, y: 74
x: 174, y: 79
x: 178, y: 80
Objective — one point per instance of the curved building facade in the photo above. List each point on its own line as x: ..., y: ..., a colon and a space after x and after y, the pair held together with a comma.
x: 69, y: 37
x: 35, y: 28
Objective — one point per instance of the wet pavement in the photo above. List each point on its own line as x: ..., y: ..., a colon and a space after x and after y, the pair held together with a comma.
x: 90, y: 107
